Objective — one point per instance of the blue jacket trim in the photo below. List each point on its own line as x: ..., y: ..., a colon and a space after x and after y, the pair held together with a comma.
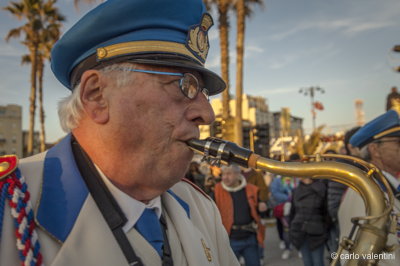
x: 184, y: 205
x: 63, y: 191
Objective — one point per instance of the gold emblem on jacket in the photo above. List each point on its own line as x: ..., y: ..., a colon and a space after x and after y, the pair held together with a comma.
x: 207, y: 250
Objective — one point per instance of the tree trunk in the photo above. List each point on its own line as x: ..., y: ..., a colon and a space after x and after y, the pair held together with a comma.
x: 240, y: 8
x: 32, y: 100
x: 41, y: 109
x: 224, y: 43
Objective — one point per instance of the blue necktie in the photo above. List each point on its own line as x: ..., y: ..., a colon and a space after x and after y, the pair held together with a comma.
x: 149, y: 227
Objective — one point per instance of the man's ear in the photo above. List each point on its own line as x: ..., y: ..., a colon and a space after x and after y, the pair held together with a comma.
x: 93, y: 98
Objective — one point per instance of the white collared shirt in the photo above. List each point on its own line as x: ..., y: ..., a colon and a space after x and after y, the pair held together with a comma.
x: 392, y: 180
x: 131, y: 207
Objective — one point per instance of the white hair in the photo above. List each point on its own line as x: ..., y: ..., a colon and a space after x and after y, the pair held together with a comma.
x: 70, y: 108
x: 233, y: 167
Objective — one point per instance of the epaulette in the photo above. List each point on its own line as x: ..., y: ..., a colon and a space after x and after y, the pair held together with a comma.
x: 8, y: 163
x: 196, y: 187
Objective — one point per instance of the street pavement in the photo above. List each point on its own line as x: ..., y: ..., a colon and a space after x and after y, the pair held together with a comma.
x: 272, y: 252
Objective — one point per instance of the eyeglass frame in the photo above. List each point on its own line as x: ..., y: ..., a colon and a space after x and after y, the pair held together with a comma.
x: 389, y: 140
x: 204, y: 91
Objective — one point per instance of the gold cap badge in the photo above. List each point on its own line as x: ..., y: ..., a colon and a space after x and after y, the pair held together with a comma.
x: 197, y: 40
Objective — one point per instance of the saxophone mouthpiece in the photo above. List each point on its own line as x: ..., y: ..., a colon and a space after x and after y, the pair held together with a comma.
x: 216, y: 151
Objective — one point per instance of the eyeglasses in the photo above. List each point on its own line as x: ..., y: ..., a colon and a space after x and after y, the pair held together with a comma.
x: 389, y: 140
x: 188, y: 84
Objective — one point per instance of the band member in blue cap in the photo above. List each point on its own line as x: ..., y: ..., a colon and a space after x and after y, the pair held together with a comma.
x: 379, y: 143
x: 111, y: 192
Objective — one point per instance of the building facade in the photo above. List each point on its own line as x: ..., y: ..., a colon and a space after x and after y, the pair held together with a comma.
x: 254, y: 109
x: 11, y: 130
x: 295, y: 124
x: 261, y: 128
x: 256, y: 123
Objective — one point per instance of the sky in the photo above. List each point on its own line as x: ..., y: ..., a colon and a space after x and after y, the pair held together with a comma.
x: 342, y: 46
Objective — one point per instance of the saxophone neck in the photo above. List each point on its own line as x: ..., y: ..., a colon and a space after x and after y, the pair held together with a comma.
x: 216, y: 151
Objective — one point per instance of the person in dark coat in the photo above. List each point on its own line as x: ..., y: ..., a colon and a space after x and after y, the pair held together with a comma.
x: 308, y: 226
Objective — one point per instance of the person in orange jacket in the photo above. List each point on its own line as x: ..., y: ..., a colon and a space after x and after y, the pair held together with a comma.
x: 237, y: 202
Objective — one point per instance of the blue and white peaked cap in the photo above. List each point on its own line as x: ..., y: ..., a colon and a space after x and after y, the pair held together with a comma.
x: 385, y: 125
x: 156, y: 32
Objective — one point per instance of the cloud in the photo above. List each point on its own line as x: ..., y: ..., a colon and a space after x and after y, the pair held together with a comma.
x: 278, y: 91
x: 252, y: 49
x: 345, y: 26
x: 213, y: 34
x: 214, y: 62
x: 312, y: 54
x: 324, y: 53
x: 366, y: 26
x: 283, y: 61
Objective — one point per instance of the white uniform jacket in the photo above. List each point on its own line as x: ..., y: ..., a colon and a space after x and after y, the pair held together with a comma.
x: 351, y: 206
x: 72, y: 231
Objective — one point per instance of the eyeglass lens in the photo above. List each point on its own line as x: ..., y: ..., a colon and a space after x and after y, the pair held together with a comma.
x: 189, y: 85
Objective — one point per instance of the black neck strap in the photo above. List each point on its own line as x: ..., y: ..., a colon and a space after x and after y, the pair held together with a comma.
x: 110, y: 209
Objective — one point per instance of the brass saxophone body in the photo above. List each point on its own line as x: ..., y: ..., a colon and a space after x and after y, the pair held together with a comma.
x: 370, y: 234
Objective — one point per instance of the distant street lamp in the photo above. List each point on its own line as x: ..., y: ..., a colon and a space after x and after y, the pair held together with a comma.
x: 311, y: 91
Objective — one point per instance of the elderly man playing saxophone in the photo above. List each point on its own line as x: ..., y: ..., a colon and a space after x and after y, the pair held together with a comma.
x: 111, y: 192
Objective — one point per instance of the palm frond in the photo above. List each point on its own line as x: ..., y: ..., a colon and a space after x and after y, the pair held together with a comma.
x: 13, y: 33
x: 26, y: 59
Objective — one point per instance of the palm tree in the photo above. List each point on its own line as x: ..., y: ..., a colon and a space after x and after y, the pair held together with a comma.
x: 243, y: 10
x: 49, y: 34
x: 29, y: 10
x: 47, y: 30
x: 223, y: 7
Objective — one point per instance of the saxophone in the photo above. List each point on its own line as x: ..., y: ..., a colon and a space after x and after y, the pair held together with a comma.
x: 368, y: 235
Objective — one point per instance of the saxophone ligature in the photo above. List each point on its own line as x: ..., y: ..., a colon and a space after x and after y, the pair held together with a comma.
x: 369, y: 234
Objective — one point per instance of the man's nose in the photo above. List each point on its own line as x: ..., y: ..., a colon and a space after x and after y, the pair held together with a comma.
x: 201, y: 111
